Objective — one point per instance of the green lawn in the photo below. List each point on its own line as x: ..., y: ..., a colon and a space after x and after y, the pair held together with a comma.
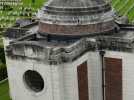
x: 124, y: 7
x: 36, y: 4
x: 4, y: 94
x: 7, y: 18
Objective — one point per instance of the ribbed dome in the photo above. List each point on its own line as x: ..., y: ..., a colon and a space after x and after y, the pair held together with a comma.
x: 76, y: 17
x: 75, y: 3
x: 76, y: 7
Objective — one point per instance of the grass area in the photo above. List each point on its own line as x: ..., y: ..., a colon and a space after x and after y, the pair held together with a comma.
x: 4, y: 91
x: 35, y: 3
x: 124, y: 7
x: 24, y: 9
x: 7, y: 18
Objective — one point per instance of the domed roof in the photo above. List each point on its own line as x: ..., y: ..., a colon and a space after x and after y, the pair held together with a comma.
x: 75, y: 3
x: 76, y: 17
x: 76, y: 7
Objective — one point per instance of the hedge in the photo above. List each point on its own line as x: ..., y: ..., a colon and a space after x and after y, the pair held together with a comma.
x: 3, y: 70
x: 3, y: 73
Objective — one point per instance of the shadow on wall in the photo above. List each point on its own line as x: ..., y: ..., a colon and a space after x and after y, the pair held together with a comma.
x: 3, y: 71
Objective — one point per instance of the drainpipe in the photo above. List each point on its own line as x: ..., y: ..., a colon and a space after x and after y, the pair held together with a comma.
x: 102, y: 53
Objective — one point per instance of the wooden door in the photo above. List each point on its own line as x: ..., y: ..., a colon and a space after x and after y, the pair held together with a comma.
x: 113, y: 79
x: 82, y: 73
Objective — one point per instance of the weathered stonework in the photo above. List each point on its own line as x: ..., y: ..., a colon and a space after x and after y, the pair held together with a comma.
x: 72, y: 41
x: 75, y: 30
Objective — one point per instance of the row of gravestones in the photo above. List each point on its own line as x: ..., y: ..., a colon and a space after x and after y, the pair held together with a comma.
x: 8, y: 5
x: 10, y: 0
x: 23, y: 11
x: 5, y: 6
x: 10, y: 15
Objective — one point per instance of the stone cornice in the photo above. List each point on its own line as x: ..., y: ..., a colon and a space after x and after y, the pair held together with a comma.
x: 58, y: 54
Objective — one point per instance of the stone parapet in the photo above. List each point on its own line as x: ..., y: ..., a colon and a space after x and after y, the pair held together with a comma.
x: 57, y: 53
